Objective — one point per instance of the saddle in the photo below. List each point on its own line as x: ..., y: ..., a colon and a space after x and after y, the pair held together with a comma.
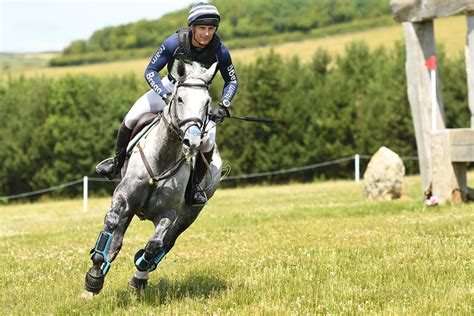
x: 144, y: 124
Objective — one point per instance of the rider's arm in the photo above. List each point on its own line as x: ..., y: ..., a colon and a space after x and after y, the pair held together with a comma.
x: 162, y: 56
x: 228, y: 74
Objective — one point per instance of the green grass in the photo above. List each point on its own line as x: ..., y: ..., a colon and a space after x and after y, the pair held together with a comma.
x: 289, y: 249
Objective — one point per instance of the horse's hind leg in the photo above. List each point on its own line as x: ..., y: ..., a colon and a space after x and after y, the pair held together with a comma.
x: 109, y: 242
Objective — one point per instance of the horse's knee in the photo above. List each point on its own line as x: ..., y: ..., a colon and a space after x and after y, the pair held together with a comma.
x: 153, y: 247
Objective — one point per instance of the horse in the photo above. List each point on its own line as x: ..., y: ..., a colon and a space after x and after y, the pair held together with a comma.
x: 170, y: 150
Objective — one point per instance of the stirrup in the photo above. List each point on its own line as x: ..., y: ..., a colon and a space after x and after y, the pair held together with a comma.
x: 107, y: 168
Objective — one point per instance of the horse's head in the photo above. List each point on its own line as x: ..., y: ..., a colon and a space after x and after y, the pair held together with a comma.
x: 190, y: 103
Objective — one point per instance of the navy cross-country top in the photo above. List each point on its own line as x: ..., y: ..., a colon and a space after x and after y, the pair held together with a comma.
x: 171, y: 50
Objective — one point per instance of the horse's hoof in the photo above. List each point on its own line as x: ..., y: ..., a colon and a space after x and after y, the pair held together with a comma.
x: 93, y: 283
x: 138, y: 284
x: 86, y: 295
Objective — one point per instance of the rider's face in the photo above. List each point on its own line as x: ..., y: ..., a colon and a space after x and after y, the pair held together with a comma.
x: 202, y: 35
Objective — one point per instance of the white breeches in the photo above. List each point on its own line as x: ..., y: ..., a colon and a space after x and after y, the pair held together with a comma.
x: 152, y: 102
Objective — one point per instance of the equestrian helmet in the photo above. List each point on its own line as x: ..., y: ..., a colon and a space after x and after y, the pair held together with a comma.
x: 204, y: 14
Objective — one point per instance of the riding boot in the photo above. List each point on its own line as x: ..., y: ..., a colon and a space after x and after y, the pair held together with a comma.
x: 199, y: 196
x: 110, y: 167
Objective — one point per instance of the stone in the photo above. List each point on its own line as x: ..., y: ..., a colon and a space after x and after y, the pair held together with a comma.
x: 423, y: 10
x: 383, y: 178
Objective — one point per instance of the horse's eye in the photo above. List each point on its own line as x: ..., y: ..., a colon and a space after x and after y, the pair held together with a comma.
x: 180, y: 100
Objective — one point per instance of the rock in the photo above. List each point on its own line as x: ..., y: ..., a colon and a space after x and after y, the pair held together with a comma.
x: 422, y: 10
x: 383, y: 178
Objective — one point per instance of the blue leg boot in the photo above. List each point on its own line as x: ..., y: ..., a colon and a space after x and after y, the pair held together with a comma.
x: 95, y: 276
x: 146, y: 264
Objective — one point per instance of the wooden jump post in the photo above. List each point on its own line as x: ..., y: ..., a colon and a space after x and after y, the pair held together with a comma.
x: 443, y: 153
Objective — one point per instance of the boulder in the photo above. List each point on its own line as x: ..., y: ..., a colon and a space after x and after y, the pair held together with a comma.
x: 383, y: 178
x: 422, y: 10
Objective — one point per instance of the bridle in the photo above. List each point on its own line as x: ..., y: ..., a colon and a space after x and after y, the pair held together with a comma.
x: 175, y: 122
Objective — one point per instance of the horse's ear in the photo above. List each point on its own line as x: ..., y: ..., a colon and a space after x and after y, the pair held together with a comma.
x: 210, y: 72
x: 181, y: 69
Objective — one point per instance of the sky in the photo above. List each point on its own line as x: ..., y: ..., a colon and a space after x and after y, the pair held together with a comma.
x: 31, y: 26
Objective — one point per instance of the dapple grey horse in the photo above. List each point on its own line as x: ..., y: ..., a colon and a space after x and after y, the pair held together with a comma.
x: 157, y: 192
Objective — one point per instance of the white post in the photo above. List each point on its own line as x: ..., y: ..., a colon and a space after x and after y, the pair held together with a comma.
x: 469, y: 52
x: 357, y: 168
x: 433, y: 100
x: 431, y: 65
x: 85, y: 193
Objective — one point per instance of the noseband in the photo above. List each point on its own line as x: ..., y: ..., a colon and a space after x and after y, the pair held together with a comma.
x: 176, y: 127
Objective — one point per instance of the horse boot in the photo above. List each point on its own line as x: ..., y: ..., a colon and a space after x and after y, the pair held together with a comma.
x: 110, y: 167
x: 198, y: 197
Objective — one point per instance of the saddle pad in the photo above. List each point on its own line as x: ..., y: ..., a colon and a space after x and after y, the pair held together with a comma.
x: 141, y: 134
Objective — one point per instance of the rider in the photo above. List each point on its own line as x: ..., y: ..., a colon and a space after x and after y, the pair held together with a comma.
x: 197, y: 43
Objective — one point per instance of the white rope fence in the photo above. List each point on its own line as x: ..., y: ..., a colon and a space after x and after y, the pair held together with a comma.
x: 85, y: 181
x: 296, y: 169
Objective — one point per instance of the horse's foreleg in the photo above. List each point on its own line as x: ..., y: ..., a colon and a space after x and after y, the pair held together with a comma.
x: 183, y: 221
x: 147, y: 259
x: 109, y: 242
x: 160, y: 244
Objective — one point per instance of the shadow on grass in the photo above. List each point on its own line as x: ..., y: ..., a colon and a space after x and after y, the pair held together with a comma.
x: 196, y: 285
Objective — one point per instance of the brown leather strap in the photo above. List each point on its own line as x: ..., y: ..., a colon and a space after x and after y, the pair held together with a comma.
x: 145, y: 162
x: 168, y: 173
x: 205, y: 160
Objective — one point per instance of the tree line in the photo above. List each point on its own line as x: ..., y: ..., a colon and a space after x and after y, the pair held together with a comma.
x: 56, y: 130
x: 250, y: 23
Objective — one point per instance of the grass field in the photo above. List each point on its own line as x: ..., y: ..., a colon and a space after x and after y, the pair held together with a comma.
x: 451, y: 32
x: 279, y: 250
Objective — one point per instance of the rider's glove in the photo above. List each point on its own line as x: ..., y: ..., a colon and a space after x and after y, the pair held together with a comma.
x: 167, y: 97
x: 219, y: 112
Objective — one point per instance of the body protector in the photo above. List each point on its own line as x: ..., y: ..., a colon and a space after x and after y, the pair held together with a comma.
x: 206, y: 56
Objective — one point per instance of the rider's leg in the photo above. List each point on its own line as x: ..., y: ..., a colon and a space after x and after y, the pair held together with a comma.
x: 198, y: 195
x: 200, y: 169
x: 149, y: 102
x: 110, y: 167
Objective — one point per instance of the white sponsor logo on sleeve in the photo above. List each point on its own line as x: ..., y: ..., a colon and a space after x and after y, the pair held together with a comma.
x: 158, y: 54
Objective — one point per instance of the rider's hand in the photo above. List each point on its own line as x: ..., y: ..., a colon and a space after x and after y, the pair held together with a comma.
x: 167, y: 97
x: 219, y: 112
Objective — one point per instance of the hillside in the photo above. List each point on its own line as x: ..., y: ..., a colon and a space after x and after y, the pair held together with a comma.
x: 450, y: 33
x: 252, y: 23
